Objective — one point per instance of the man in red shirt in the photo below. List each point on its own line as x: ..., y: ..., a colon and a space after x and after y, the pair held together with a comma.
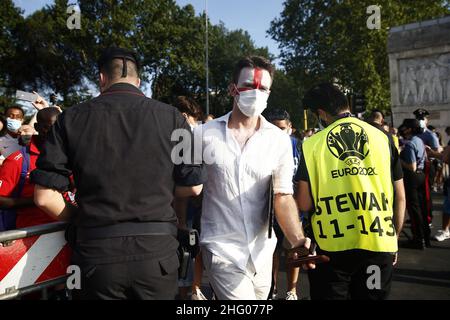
x: 27, y: 212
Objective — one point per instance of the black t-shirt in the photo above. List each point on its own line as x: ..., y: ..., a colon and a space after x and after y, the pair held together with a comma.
x: 118, y: 149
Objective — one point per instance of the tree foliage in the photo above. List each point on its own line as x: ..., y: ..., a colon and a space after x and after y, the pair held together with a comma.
x: 11, y: 22
x: 287, y: 93
x: 169, y: 40
x: 329, y: 40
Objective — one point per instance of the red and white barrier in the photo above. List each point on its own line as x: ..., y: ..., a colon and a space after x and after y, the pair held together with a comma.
x: 30, y: 261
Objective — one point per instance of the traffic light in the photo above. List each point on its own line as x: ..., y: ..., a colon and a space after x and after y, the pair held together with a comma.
x: 359, y: 103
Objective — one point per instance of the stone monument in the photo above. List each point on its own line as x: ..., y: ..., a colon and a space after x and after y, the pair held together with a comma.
x: 419, y: 65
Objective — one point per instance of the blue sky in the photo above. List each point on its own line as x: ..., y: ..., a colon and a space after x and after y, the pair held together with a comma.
x: 251, y: 15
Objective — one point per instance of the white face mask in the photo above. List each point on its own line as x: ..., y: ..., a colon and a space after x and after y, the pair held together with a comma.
x: 13, y: 125
x: 252, y: 102
x: 422, y: 124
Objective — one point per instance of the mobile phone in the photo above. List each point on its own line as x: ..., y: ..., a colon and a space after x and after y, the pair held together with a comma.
x: 26, y: 96
x: 308, y: 259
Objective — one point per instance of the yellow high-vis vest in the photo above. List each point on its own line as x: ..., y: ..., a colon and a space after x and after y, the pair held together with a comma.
x: 349, y: 167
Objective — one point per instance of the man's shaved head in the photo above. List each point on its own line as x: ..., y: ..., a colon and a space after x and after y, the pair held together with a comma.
x: 376, y: 116
x: 118, y: 65
x: 114, y: 69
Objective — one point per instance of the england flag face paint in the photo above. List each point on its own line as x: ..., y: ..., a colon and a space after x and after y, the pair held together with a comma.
x: 254, y: 89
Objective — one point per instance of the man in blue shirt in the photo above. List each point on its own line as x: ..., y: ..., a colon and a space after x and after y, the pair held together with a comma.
x: 414, y: 152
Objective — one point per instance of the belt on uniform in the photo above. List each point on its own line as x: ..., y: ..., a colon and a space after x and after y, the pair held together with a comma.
x: 127, y: 229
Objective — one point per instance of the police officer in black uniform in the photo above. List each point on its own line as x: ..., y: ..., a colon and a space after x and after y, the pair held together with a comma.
x: 118, y: 149
x: 431, y: 140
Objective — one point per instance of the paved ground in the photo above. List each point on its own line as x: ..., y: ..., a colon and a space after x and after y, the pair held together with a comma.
x: 425, y: 274
x: 419, y: 275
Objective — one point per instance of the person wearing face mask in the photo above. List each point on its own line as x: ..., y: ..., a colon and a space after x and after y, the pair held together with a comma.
x: 9, y: 143
x: 243, y: 154
x: 282, y: 120
x: 351, y: 184
x: 16, y: 189
x: 429, y: 137
x: 430, y: 140
x: 189, y: 209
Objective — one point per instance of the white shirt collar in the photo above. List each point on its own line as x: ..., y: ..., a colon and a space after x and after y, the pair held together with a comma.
x: 264, y: 124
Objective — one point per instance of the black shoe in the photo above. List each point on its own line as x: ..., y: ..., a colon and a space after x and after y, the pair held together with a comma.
x: 428, y: 243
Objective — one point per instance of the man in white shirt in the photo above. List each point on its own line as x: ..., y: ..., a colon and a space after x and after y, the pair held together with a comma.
x: 243, y: 152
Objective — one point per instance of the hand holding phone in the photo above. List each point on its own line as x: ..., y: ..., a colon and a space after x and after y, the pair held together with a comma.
x: 40, y: 103
x: 301, y: 256
x: 311, y: 259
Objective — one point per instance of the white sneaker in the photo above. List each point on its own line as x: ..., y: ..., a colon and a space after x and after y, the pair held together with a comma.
x: 442, y: 235
x: 291, y: 296
x: 198, y: 295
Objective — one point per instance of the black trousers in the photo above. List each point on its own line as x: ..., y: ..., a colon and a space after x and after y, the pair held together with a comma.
x: 416, y: 204
x: 351, y: 275
x: 150, y: 279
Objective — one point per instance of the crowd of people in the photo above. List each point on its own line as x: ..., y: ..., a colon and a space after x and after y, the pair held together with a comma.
x: 339, y: 191
x: 20, y: 146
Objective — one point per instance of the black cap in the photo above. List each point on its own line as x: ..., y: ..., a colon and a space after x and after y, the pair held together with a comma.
x: 421, y: 113
x: 117, y: 53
